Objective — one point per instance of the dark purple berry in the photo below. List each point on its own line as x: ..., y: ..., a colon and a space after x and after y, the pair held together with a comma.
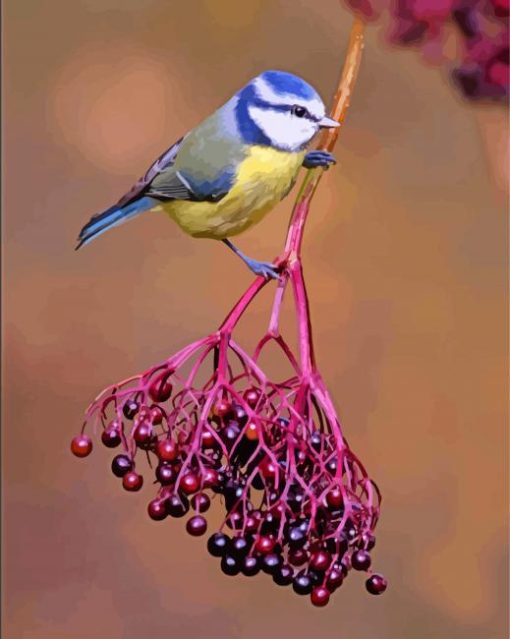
x: 271, y: 563
x: 121, y: 464
x: 361, y: 560
x: 230, y: 565
x: 239, y: 547
x: 177, y: 506
x: 217, y: 544
x: 110, y: 437
x: 200, y: 502
x: 232, y: 492
x: 130, y: 408
x: 316, y: 441
x: 335, y: 579
x: 235, y: 521
x: 165, y: 474
x: 196, y: 526
x: 250, y: 566
x: 302, y: 584
x: 270, y: 523
x: 316, y: 577
x: 376, y: 584
x: 296, y: 537
x: 283, y: 575
x: 230, y: 433
x: 239, y: 414
x: 258, y: 482
x: 368, y: 541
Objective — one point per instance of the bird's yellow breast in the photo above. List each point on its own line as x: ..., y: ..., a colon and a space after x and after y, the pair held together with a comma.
x: 263, y: 178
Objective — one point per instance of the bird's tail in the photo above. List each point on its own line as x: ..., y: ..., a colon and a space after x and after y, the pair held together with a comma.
x: 112, y: 217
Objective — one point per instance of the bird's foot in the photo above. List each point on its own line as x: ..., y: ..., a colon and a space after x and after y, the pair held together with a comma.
x: 314, y: 159
x: 266, y: 269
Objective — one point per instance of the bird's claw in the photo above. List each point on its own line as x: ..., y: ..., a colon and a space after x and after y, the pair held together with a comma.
x: 314, y: 159
x: 266, y: 269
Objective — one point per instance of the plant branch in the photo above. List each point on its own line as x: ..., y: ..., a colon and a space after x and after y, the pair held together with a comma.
x: 290, y: 260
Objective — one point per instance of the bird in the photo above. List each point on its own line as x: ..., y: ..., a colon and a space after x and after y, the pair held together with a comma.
x: 229, y: 171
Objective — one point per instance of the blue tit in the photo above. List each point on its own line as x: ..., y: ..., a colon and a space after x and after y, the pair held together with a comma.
x: 226, y: 174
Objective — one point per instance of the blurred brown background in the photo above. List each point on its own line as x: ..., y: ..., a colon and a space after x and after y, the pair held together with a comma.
x: 406, y: 260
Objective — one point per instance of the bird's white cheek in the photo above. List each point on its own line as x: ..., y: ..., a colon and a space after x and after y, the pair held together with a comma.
x: 284, y: 131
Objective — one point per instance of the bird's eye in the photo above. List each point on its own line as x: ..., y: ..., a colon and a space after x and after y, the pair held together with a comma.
x: 299, y: 111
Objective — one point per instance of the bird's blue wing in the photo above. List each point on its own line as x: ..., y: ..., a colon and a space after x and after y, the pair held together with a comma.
x: 164, y: 181
x: 164, y: 162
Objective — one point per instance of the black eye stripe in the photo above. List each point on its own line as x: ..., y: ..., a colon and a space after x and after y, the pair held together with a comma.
x: 285, y: 108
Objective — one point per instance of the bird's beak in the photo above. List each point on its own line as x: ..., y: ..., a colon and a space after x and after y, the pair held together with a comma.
x: 328, y: 123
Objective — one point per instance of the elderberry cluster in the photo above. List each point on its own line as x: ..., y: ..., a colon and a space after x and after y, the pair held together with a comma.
x: 297, y: 503
x: 480, y: 28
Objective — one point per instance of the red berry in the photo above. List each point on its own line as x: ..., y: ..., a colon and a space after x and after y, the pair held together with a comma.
x: 269, y: 469
x: 298, y: 556
x: 142, y: 434
x: 200, y: 502
x: 190, y: 483
x: 320, y: 560
x: 264, y: 544
x: 251, y: 397
x: 251, y: 524
x: 334, y: 498
x: 222, y: 408
x: 361, y: 560
x: 320, y: 596
x: 161, y: 389
x: 156, y: 415
x: 132, y: 481
x: 157, y: 509
x: 81, y: 445
x: 167, y: 450
x: 196, y: 526
x: 208, y: 440
x: 210, y: 478
x: 376, y: 584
